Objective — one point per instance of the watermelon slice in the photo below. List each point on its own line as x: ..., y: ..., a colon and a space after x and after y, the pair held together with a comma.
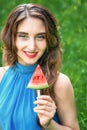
x: 38, y: 80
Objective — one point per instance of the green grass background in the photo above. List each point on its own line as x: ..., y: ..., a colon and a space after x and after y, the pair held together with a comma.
x: 72, y: 17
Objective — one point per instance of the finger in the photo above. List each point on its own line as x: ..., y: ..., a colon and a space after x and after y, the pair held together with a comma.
x: 45, y: 103
x: 43, y: 107
x: 49, y: 114
x: 42, y: 102
x: 51, y: 108
x: 45, y: 97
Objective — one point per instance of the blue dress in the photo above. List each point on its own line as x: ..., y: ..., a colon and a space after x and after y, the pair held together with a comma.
x: 16, y: 100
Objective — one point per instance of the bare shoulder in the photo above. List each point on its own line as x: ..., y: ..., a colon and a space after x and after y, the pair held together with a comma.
x: 63, y: 81
x: 63, y: 85
x: 65, y: 101
x: 2, y: 71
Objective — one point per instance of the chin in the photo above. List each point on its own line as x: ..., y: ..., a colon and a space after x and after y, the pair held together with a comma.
x: 30, y: 63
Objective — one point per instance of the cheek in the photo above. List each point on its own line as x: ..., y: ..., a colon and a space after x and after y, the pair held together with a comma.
x: 43, y: 46
x: 16, y: 44
x: 19, y: 45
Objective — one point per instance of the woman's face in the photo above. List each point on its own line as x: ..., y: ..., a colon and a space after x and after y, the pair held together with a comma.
x: 30, y: 41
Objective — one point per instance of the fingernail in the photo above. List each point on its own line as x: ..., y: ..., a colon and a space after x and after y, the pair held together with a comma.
x: 34, y: 102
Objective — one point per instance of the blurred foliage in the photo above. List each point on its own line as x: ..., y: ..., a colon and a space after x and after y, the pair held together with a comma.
x: 72, y: 18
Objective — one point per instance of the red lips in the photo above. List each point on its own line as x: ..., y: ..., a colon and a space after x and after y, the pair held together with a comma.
x: 31, y: 54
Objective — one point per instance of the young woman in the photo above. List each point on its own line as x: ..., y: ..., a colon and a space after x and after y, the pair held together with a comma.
x: 30, y: 37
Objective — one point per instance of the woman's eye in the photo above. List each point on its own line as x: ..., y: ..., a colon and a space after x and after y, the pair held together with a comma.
x: 22, y: 36
x: 40, y: 37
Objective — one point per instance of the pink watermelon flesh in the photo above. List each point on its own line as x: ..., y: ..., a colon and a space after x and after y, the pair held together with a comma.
x: 38, y: 80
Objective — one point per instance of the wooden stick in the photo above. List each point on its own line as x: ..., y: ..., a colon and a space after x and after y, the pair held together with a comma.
x: 38, y: 93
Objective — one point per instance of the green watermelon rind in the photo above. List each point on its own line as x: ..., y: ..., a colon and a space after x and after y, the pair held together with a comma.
x: 42, y: 86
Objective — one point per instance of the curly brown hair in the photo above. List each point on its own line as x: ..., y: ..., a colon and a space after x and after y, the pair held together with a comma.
x: 51, y: 60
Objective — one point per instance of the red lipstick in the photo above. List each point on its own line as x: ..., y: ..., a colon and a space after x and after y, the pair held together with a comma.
x: 30, y: 55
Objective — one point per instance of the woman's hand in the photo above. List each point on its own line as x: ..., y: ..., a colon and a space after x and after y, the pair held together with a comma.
x: 45, y: 109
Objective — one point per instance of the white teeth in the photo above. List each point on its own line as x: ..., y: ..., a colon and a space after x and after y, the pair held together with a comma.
x: 30, y: 53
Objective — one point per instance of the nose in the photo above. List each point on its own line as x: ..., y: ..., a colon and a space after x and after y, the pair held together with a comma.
x: 31, y: 44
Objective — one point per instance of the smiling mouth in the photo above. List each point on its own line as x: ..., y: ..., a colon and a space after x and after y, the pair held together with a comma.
x: 30, y: 54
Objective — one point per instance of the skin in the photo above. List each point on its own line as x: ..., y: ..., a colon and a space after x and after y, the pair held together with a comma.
x: 31, y: 44
x: 30, y: 41
x: 65, y: 107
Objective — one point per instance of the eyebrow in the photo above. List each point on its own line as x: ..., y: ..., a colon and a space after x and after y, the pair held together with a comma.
x: 22, y: 33
x: 44, y: 33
